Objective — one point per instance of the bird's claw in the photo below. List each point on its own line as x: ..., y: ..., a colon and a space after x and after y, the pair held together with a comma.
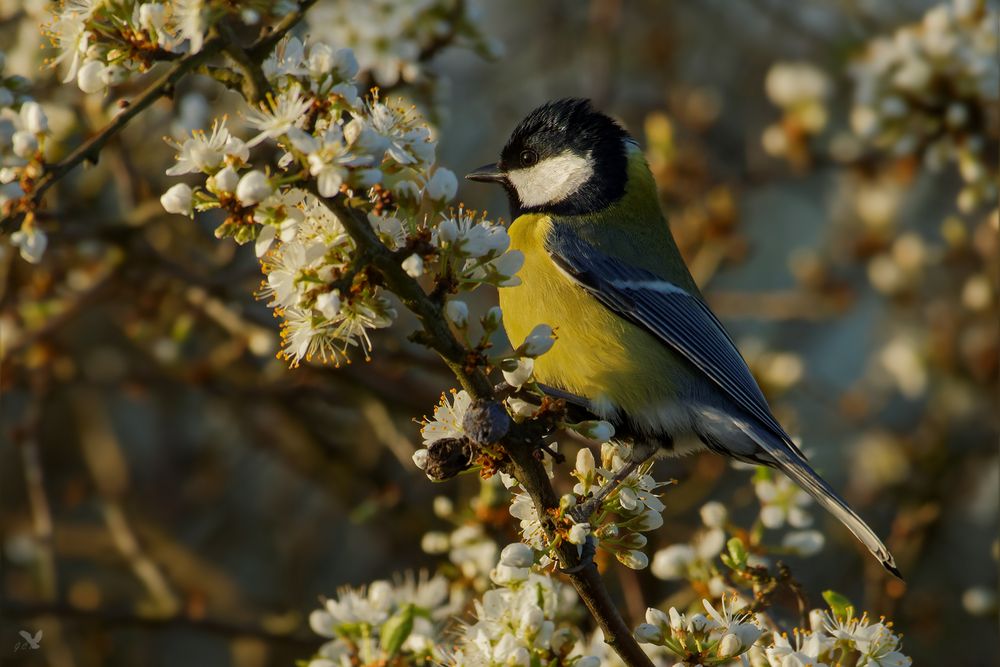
x: 586, y: 557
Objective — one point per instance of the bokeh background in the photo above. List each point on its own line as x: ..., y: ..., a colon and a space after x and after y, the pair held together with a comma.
x: 171, y: 493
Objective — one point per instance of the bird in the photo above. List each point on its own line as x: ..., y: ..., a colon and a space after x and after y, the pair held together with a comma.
x: 635, y: 337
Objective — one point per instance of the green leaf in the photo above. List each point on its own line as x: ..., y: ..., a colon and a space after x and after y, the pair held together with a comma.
x: 839, y: 605
x: 397, y: 629
x: 737, y: 553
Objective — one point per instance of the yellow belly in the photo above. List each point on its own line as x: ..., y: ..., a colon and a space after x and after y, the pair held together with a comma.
x: 597, y: 354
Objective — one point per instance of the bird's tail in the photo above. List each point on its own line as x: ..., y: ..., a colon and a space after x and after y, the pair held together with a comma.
x: 787, y: 459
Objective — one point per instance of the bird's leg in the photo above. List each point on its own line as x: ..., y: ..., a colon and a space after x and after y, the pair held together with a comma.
x: 582, y: 511
x: 586, y: 557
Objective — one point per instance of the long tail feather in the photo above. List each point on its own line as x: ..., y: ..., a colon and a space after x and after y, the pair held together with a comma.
x: 788, y: 460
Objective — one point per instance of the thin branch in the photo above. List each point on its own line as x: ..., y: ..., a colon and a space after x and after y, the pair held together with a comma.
x: 162, y: 87
x: 519, y: 445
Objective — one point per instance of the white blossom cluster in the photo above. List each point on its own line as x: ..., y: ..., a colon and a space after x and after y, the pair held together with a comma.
x: 24, y: 128
x: 716, y: 639
x: 391, y: 38
x: 931, y: 90
x: 379, y: 155
x: 801, y: 90
x: 731, y: 634
x: 384, y: 621
x: 631, y: 508
x: 101, y: 43
x: 521, y: 622
x: 837, y: 638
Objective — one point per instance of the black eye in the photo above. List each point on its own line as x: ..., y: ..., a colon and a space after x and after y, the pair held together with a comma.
x: 528, y: 157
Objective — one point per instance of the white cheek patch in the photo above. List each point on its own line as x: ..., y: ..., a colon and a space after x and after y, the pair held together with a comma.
x: 551, y: 180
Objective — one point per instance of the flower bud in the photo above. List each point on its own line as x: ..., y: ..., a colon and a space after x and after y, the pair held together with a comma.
x: 729, y: 646
x: 578, y: 533
x: 114, y: 75
x: 420, y: 458
x: 647, y: 633
x: 517, y: 555
x: 636, y: 560
x: 34, y: 118
x: 647, y: 521
x: 503, y: 575
x: 443, y: 185
x: 457, y: 313
x: 656, y: 617
x: 491, y: 320
x: 177, y: 199
x: 253, y: 188
x: 585, y: 462
x: 90, y: 77
x: 443, y: 507
x: 24, y: 144
x: 414, y: 266
x: 601, y: 431
x: 224, y: 181
x: 328, y: 304
x: 538, y: 342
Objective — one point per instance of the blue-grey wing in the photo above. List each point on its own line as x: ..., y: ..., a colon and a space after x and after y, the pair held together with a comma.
x: 678, y: 318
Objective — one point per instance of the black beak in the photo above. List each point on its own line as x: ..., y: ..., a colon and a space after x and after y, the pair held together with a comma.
x: 488, y: 173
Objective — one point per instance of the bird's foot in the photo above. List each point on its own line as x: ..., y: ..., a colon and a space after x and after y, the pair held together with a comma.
x: 582, y: 512
x: 586, y: 557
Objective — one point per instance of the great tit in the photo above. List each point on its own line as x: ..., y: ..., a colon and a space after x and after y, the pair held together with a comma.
x: 635, y: 337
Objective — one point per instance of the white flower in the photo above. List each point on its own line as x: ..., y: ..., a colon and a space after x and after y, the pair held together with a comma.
x: 90, y: 77
x: 279, y: 114
x: 448, y: 417
x: 177, y: 199
x: 31, y: 242
x: 201, y: 153
x: 714, y: 514
x: 443, y: 185
x: 330, y: 160
x: 539, y: 341
x: 253, y: 188
x: 532, y: 533
x: 457, y: 313
x: 152, y: 16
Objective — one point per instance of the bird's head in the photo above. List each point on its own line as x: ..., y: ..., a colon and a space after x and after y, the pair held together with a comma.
x: 564, y: 158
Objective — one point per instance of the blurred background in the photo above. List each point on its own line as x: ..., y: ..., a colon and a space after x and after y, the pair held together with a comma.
x: 169, y: 491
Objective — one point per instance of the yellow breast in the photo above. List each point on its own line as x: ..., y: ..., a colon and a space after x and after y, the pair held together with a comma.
x: 597, y: 354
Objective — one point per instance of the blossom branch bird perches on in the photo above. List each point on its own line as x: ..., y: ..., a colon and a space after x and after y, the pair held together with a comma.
x: 517, y: 444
